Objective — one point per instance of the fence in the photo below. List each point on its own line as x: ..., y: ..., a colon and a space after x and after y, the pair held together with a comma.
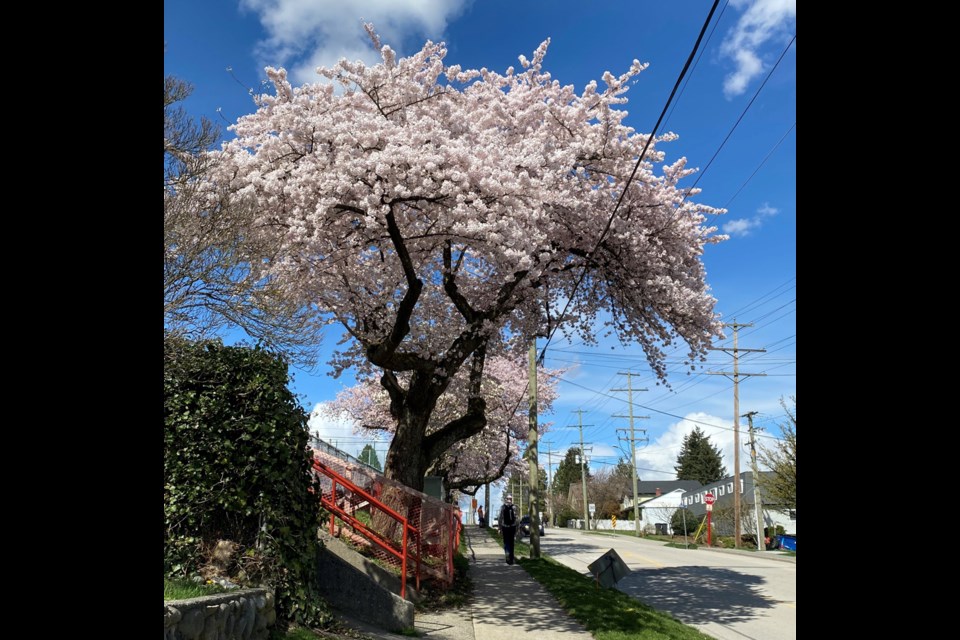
x: 386, y: 520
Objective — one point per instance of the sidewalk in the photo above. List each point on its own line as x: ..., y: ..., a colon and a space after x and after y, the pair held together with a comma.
x: 507, y: 604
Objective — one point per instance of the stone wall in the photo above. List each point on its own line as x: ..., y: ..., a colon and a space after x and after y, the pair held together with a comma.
x: 245, y: 614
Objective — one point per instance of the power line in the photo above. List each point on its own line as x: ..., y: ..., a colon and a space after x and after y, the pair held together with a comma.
x: 636, y: 167
x: 762, y: 300
x: 649, y: 408
x: 770, y: 313
x: 747, y: 108
x: 696, y: 62
x: 762, y: 162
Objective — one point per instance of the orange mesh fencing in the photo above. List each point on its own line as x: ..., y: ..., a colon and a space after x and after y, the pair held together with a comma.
x: 369, y: 514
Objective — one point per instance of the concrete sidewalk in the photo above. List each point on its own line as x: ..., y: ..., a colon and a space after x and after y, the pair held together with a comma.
x: 507, y: 604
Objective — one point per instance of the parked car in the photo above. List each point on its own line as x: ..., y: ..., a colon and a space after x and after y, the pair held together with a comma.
x: 524, y: 527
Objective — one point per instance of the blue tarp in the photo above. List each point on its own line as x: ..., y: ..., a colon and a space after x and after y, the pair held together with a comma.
x: 788, y: 542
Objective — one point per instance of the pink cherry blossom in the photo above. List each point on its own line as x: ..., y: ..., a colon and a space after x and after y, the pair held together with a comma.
x: 441, y: 215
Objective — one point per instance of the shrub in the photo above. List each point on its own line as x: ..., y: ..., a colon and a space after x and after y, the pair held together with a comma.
x: 236, y: 474
x: 676, y: 522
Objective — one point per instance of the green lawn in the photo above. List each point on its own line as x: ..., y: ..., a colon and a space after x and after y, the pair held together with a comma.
x: 183, y: 589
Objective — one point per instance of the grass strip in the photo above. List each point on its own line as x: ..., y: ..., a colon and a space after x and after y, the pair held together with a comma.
x: 608, y: 614
x: 174, y: 589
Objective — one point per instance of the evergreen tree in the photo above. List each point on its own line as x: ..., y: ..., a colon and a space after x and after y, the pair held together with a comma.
x: 369, y: 456
x: 699, y: 459
x: 624, y: 474
x: 568, y: 472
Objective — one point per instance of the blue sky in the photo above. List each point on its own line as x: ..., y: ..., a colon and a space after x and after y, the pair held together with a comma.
x: 753, y: 274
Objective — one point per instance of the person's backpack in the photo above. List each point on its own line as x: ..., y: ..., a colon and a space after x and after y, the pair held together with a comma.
x: 509, y: 516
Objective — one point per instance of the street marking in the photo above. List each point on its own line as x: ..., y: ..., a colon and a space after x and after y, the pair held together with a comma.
x: 631, y: 554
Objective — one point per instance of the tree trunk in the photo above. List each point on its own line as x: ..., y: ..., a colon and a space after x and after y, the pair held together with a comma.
x: 407, y: 458
x: 412, y: 451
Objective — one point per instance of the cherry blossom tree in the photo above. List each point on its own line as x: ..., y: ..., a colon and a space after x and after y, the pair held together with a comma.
x: 482, y: 458
x: 442, y: 215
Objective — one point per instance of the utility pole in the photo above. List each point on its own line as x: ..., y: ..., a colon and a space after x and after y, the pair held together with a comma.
x: 532, y: 454
x: 550, y: 495
x: 583, y: 473
x: 486, y: 503
x: 633, y: 447
x: 736, y: 420
x: 756, y: 480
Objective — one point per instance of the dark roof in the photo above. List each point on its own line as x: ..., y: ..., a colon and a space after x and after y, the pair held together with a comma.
x: 649, y: 487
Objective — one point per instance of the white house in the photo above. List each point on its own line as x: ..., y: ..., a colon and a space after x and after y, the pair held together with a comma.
x: 657, y: 512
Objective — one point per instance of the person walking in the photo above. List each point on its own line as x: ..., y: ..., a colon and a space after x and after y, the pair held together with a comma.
x: 480, y: 519
x: 507, y: 524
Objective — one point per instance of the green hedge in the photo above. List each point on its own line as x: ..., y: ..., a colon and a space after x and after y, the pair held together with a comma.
x: 236, y: 467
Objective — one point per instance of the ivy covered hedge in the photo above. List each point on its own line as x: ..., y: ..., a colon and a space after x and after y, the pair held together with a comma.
x: 236, y: 468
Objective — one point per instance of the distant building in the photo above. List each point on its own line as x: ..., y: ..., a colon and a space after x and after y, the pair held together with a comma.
x: 656, y: 513
x: 773, y: 514
x: 649, y: 489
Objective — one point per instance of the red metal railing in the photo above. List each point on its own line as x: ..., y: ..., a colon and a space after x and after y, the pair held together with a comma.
x: 437, y: 523
x: 339, y: 506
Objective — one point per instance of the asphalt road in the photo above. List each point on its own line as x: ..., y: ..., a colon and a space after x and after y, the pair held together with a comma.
x: 727, y: 595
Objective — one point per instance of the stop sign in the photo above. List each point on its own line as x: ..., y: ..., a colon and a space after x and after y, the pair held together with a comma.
x: 708, y: 499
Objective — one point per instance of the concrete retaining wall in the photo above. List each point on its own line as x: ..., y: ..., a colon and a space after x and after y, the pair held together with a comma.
x: 237, y: 615
x: 360, y: 588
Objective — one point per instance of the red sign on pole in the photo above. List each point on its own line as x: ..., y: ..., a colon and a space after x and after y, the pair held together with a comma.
x: 708, y: 500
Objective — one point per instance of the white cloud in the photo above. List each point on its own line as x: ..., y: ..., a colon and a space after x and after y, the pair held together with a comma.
x: 657, y: 460
x: 603, y: 451
x: 767, y: 210
x: 305, y: 34
x: 762, y: 21
x: 741, y: 227
x: 330, y: 429
x: 749, y: 67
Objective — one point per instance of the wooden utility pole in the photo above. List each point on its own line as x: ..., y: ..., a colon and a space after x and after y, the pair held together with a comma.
x: 486, y: 503
x: 736, y: 420
x: 633, y: 447
x: 758, y: 508
x: 550, y: 494
x: 583, y: 473
x: 532, y: 453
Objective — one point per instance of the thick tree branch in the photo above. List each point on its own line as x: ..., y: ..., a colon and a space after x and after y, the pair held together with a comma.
x: 503, y: 297
x: 469, y: 424
x: 450, y: 286
x: 471, y: 338
x: 396, y: 392
x: 350, y: 208
x: 382, y: 353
